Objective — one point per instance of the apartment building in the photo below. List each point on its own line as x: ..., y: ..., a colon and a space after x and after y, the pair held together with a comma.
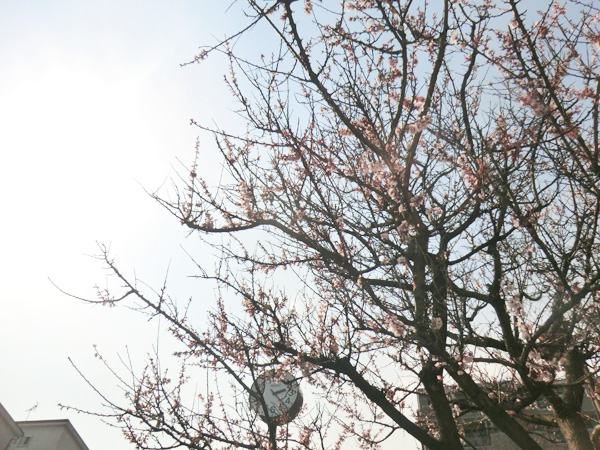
x: 481, y: 434
x: 38, y: 434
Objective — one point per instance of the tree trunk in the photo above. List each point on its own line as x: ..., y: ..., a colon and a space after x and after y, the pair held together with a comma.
x: 596, y: 437
x: 568, y: 408
x: 441, y: 407
x: 575, y: 433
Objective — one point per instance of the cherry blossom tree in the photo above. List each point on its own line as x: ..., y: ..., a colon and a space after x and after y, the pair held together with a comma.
x: 428, y: 176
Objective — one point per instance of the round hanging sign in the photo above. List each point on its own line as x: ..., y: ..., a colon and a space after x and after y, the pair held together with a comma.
x: 276, y: 397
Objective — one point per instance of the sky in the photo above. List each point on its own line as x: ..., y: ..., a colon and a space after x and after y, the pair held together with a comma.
x: 94, y: 112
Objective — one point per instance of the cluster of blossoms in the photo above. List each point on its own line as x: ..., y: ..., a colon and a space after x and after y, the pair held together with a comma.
x: 532, y: 100
x: 418, y: 125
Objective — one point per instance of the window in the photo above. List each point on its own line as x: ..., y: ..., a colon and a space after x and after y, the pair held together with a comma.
x: 24, y: 441
x: 478, y: 435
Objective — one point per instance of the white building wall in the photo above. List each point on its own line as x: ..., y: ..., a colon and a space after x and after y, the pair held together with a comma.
x: 51, y: 435
x: 67, y: 442
x: 38, y: 434
x: 9, y: 430
x: 42, y: 437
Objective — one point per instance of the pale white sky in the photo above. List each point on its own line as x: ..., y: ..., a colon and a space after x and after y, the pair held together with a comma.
x: 94, y: 108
